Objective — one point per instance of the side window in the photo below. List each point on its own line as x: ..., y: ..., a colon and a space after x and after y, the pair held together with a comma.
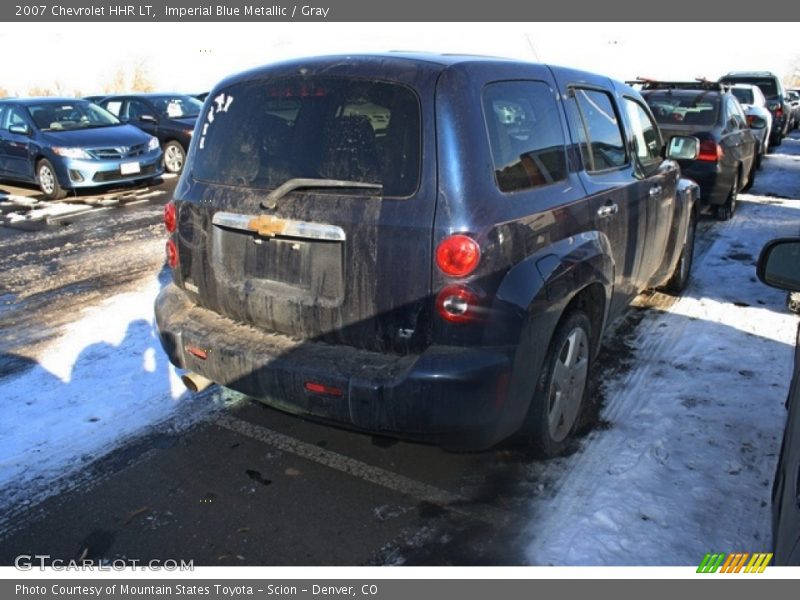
x: 15, y: 117
x: 525, y: 134
x: 137, y: 108
x: 113, y: 106
x: 3, y: 111
x: 645, y: 133
x: 599, y: 134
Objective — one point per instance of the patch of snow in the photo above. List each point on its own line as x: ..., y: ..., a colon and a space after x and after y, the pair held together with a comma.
x: 687, y: 464
x: 104, y: 380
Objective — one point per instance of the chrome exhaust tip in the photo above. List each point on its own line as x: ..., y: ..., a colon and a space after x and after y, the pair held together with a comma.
x: 194, y: 382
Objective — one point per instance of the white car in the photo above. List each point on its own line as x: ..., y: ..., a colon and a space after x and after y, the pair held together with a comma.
x: 754, y: 105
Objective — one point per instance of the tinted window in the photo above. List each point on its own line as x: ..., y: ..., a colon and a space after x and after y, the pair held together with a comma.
x: 598, y: 131
x: 263, y: 133
x: 645, y: 133
x: 767, y: 85
x: 743, y: 95
x: 684, y: 108
x: 525, y: 134
x: 54, y: 116
x: 11, y: 116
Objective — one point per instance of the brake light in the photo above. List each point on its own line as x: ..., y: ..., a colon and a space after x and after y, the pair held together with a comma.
x: 709, y: 151
x: 319, y: 388
x: 170, y: 216
x: 778, y: 111
x: 457, y: 304
x: 458, y: 255
x: 172, y: 254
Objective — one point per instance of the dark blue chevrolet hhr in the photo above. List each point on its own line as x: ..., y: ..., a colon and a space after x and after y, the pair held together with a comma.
x: 64, y: 144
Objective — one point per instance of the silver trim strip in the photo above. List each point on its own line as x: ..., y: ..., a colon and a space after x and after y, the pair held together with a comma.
x: 269, y: 226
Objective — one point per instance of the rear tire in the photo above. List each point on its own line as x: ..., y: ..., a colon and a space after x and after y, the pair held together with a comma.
x: 683, y: 270
x: 725, y: 211
x: 559, y: 396
x: 48, y: 181
x: 751, y: 176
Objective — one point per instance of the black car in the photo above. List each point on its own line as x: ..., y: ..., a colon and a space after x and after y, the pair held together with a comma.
x: 169, y: 117
x: 777, y: 103
x: 726, y: 163
x: 421, y: 246
x: 779, y: 267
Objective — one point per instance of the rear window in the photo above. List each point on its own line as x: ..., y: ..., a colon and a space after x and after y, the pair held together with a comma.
x: 262, y: 133
x: 670, y: 108
x: 743, y: 95
x: 767, y: 85
x: 525, y: 134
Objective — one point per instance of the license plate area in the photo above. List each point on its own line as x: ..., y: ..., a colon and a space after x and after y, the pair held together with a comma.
x: 275, y: 266
x: 130, y: 168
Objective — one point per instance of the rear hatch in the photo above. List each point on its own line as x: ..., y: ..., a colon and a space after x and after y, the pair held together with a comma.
x: 307, y: 208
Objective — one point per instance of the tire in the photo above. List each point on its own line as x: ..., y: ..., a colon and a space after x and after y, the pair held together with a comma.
x: 48, y: 181
x: 725, y: 211
x: 559, y: 396
x: 683, y: 270
x: 174, y: 157
x: 751, y: 177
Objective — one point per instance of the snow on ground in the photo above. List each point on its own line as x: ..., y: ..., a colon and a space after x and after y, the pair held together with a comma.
x: 105, y: 379
x: 687, y: 464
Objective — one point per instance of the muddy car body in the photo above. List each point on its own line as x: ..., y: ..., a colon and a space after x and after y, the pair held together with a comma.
x: 479, y: 264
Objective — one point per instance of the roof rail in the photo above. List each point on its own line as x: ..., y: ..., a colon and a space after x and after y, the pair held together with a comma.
x: 700, y: 83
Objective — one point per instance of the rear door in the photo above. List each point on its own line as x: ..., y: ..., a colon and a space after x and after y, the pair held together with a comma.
x: 323, y: 259
x: 616, y: 204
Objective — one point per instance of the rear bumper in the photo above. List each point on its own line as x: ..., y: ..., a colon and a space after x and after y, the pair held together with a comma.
x: 714, y: 183
x: 453, y: 396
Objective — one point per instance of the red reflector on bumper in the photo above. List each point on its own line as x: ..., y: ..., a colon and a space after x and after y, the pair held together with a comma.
x: 195, y: 351
x: 318, y: 388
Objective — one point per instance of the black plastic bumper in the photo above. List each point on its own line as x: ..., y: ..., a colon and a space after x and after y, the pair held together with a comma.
x: 453, y: 396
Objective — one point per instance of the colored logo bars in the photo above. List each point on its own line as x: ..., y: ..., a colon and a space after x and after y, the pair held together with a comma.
x: 735, y: 562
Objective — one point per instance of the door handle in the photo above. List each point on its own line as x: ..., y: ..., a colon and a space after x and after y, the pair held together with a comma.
x: 655, y: 191
x: 607, y: 210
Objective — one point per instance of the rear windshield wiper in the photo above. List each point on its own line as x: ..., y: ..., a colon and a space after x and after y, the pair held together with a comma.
x: 304, y: 183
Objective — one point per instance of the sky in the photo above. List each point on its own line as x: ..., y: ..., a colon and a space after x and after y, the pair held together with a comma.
x: 192, y: 57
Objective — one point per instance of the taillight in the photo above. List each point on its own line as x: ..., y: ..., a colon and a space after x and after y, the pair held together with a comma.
x: 170, y: 216
x: 750, y: 119
x: 710, y: 151
x: 172, y: 254
x: 458, y: 255
x: 458, y: 304
x: 778, y: 111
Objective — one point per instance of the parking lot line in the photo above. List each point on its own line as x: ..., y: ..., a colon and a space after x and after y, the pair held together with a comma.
x: 376, y: 475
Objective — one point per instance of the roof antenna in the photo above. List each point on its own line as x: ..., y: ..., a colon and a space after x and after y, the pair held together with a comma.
x: 533, y: 47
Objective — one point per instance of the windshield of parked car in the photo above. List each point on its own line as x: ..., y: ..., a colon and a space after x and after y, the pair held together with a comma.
x: 177, y: 107
x: 767, y: 85
x: 743, y: 95
x: 684, y: 108
x: 263, y: 133
x: 58, y: 116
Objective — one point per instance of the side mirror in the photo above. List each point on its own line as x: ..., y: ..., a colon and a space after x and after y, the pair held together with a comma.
x: 683, y: 147
x: 20, y: 129
x: 779, y: 264
x: 756, y: 122
x: 148, y: 119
